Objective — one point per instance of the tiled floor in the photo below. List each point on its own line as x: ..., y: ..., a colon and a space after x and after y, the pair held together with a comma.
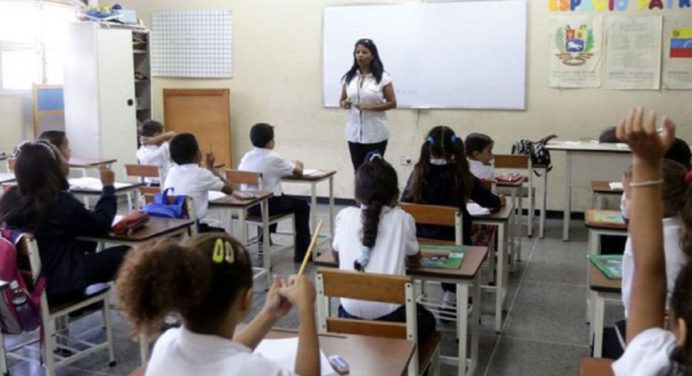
x: 544, y: 332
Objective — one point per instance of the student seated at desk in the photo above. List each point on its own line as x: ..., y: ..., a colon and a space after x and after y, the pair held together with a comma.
x: 187, y: 178
x: 377, y: 237
x: 273, y: 167
x: 652, y: 349
x: 208, y: 281
x: 40, y: 204
x: 59, y: 140
x: 155, y: 149
x: 442, y: 177
x: 479, y: 152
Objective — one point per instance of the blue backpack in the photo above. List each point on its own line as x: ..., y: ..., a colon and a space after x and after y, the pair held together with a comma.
x: 164, y: 207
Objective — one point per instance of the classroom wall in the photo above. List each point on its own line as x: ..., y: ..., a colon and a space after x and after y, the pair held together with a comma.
x: 11, y: 120
x: 277, y: 79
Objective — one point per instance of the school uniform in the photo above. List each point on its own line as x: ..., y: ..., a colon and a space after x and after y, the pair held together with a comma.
x: 396, y: 239
x: 648, y: 354
x: 480, y: 170
x: 70, y: 265
x: 194, y: 181
x: 366, y: 131
x: 273, y: 167
x: 181, y: 352
x: 157, y: 155
x: 674, y: 256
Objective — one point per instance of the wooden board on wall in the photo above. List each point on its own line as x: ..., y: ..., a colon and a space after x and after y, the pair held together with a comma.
x: 206, y: 113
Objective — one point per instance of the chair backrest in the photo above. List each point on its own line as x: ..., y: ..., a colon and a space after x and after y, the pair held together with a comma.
x: 439, y: 215
x: 148, y: 193
x: 512, y: 161
x: 28, y: 246
x: 143, y: 171
x: 335, y: 283
x: 236, y: 177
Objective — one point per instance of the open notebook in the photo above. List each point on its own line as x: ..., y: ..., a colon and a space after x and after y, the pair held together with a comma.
x: 283, y: 352
x: 92, y: 184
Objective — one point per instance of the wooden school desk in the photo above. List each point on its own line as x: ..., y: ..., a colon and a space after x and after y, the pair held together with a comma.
x: 603, y: 222
x: 156, y: 228
x: 515, y: 187
x: 84, y: 164
x: 6, y: 177
x: 601, y: 189
x: 601, y: 290
x: 467, y: 280
x: 366, y: 355
x: 93, y: 188
x: 228, y: 203
x: 507, y: 243
x: 595, y: 367
x: 586, y: 161
x: 313, y: 178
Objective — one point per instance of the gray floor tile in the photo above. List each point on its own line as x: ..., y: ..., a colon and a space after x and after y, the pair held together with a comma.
x: 522, y: 357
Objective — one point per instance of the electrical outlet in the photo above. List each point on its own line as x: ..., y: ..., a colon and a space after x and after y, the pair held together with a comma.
x: 405, y: 160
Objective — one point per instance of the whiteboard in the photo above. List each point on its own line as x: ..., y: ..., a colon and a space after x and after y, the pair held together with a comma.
x: 440, y: 55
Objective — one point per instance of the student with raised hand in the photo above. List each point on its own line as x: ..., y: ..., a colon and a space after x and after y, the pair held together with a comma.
x: 155, y: 148
x: 377, y: 237
x: 651, y: 349
x: 208, y: 281
x: 40, y: 204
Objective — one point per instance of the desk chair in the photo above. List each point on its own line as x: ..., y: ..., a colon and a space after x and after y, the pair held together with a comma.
x: 54, y: 319
x: 144, y: 172
x: 522, y: 164
x: 335, y: 283
x: 237, y: 177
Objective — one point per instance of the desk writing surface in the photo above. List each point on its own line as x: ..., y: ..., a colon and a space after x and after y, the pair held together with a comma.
x: 595, y: 367
x: 599, y: 282
x: 314, y: 175
x: 366, y: 355
x: 6, y: 177
x: 587, y: 146
x: 502, y: 214
x: 609, y: 219
x: 601, y: 186
x: 156, y: 227
x: 234, y: 202
x: 90, y: 162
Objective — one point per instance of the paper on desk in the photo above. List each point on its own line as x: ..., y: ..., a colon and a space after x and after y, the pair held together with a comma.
x: 93, y: 184
x: 615, y: 185
x: 215, y: 195
x: 117, y: 219
x: 475, y: 209
x: 310, y: 171
x: 284, y: 351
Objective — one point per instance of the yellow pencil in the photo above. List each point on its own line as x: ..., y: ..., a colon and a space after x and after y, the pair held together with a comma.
x: 313, y: 242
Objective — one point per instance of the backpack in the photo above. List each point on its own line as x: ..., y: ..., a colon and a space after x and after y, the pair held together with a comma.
x: 11, y: 321
x: 161, y: 207
x: 540, y: 155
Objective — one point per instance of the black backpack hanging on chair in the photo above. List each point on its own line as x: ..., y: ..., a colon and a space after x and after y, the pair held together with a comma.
x: 540, y: 155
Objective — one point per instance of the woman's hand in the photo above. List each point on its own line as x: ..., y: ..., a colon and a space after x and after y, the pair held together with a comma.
x: 365, y: 107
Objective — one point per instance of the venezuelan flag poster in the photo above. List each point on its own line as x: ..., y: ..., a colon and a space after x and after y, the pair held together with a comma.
x: 677, y: 53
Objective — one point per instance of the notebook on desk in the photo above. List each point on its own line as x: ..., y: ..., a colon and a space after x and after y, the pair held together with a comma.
x: 92, y: 184
x: 609, y: 265
x: 310, y: 171
x: 441, y: 256
x: 284, y: 351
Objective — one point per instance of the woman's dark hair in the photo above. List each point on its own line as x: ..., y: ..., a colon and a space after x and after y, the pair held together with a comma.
x: 150, y: 128
x: 681, y: 305
x: 477, y: 142
x: 199, y: 279
x: 376, y: 66
x: 377, y: 185
x: 442, y: 142
x: 184, y: 148
x: 56, y: 138
x: 608, y: 136
x: 679, y: 151
x: 40, y: 180
x: 676, y: 195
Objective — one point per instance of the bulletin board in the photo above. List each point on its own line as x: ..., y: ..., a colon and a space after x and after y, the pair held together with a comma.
x: 48, y: 101
x: 196, y: 44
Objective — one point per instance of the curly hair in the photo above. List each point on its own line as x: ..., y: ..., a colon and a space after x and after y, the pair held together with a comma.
x: 163, y: 276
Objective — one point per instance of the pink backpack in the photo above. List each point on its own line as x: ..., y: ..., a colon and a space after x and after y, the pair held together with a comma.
x: 12, y: 321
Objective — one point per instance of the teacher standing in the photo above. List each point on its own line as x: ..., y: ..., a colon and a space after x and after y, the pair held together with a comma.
x: 367, y: 92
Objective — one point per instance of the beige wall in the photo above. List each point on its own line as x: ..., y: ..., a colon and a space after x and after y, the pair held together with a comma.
x: 277, y: 79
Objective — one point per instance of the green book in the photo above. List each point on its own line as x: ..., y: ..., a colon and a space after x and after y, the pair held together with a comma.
x: 441, y: 256
x: 609, y: 265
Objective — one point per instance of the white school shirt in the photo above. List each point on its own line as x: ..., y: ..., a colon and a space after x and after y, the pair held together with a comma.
x: 181, y: 352
x: 155, y: 155
x: 396, y: 239
x: 675, y: 260
x: 272, y: 166
x: 194, y: 181
x: 481, y: 171
x: 366, y: 127
x: 648, y: 354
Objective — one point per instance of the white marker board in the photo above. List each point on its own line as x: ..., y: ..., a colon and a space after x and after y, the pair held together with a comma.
x: 440, y: 55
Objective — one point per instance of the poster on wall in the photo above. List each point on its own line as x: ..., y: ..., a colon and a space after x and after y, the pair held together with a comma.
x: 677, y: 53
x: 575, y: 51
x: 633, y: 53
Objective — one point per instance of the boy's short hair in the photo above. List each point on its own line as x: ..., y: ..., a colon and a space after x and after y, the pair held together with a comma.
x: 150, y: 128
x: 679, y: 151
x: 184, y: 149
x: 54, y: 137
x: 608, y: 136
x: 477, y: 142
x: 261, y: 134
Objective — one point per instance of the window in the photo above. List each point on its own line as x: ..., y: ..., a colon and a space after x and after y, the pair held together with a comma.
x: 32, y: 39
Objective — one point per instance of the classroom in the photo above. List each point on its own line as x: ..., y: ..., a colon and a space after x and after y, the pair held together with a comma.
x: 543, y: 295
